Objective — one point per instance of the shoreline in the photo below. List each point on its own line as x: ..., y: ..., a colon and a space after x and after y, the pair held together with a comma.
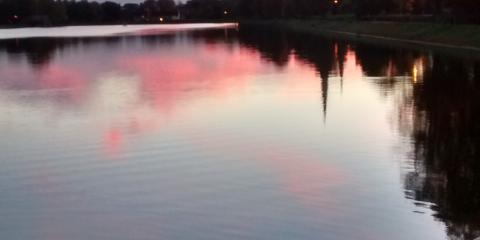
x: 171, y: 22
x: 451, y: 39
x: 106, y: 30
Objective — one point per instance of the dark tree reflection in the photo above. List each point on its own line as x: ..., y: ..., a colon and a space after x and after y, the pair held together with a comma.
x: 324, y: 54
x: 446, y: 138
x: 40, y: 51
x: 439, y: 111
x: 272, y: 45
x: 37, y: 51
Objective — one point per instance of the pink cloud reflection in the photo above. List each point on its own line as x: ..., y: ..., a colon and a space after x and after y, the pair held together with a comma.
x: 213, y: 69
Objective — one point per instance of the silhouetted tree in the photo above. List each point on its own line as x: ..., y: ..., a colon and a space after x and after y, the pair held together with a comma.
x: 131, y: 12
x: 111, y: 12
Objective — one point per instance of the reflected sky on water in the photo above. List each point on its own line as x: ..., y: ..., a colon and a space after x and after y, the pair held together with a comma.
x: 236, y: 134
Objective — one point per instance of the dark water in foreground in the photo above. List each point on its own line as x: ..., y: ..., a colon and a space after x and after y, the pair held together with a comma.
x: 236, y: 134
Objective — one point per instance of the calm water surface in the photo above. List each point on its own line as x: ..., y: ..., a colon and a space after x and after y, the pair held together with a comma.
x: 236, y: 134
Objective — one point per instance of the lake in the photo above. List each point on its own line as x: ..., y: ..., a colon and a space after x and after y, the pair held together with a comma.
x: 231, y: 132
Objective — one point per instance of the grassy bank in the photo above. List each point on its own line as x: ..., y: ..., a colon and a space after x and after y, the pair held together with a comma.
x: 466, y: 37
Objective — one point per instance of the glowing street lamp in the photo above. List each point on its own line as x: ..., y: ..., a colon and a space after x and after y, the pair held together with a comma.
x: 335, y: 6
x: 225, y: 12
x: 161, y: 19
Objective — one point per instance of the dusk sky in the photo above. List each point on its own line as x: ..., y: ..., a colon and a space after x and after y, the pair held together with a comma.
x: 133, y: 1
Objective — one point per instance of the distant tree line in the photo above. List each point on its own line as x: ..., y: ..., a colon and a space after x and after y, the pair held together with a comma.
x: 57, y: 12
x: 460, y: 11
x: 47, y: 12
